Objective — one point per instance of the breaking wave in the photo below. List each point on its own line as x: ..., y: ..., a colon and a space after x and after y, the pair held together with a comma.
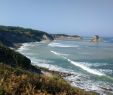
x: 92, y: 71
x: 56, y: 53
x: 61, y: 45
x: 80, y: 65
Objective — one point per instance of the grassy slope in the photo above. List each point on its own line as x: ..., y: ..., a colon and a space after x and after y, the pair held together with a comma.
x: 20, y: 82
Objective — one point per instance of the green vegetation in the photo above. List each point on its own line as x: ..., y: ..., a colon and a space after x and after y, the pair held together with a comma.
x: 15, y: 59
x: 9, y: 35
x: 19, y: 77
x: 20, y: 82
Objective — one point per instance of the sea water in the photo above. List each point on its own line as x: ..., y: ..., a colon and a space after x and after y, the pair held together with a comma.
x: 90, y: 63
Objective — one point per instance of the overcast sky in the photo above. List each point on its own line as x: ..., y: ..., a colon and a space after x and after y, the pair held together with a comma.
x: 81, y: 17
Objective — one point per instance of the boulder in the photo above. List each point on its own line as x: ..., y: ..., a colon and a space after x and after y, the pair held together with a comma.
x: 96, y: 38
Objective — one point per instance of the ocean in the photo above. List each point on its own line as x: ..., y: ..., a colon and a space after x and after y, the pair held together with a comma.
x: 90, y: 63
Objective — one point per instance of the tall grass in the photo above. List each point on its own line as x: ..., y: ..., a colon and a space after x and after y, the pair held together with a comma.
x: 20, y: 82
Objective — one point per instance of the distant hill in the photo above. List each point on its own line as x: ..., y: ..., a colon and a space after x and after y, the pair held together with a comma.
x: 10, y: 35
x: 67, y: 37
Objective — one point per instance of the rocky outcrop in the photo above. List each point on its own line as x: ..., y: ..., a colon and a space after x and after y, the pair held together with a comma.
x: 96, y: 38
x: 66, y: 37
x: 9, y: 35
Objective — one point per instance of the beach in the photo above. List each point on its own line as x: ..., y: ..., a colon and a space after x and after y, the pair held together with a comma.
x: 89, y: 64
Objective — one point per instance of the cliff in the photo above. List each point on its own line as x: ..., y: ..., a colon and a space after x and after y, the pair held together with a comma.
x: 10, y: 36
x: 66, y: 37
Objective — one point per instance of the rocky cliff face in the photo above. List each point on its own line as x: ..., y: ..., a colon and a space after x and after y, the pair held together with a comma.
x: 11, y: 35
x: 66, y: 37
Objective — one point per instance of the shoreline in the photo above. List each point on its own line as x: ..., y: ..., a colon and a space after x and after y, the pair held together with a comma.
x: 63, y: 75
x: 69, y: 76
x: 49, y: 73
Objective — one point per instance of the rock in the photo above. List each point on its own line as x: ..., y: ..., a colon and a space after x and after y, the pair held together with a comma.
x: 96, y: 38
x: 108, y: 89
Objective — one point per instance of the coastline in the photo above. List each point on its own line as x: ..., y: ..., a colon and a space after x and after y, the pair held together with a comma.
x: 60, y: 59
x: 68, y: 76
x: 62, y: 74
x: 50, y: 73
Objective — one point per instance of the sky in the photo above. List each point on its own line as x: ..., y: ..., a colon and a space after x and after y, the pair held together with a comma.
x: 75, y: 17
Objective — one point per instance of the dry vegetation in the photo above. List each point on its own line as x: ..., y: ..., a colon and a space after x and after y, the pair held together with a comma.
x: 21, y: 82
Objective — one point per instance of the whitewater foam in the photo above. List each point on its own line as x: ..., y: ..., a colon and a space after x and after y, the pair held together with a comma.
x: 92, y: 71
x: 61, y: 45
x: 82, y: 66
x: 23, y: 47
x: 46, y: 63
x: 60, y: 54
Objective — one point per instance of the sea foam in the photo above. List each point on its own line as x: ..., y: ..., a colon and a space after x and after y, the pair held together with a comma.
x: 60, y: 54
x: 78, y: 64
x: 92, y: 71
x: 23, y: 47
x: 61, y: 45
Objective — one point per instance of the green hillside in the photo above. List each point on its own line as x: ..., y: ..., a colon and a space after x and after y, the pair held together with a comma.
x: 10, y: 35
x: 15, y: 59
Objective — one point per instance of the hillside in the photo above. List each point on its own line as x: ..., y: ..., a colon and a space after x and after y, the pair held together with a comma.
x: 66, y: 37
x: 20, y: 82
x: 19, y: 77
x: 10, y: 35
x: 15, y: 59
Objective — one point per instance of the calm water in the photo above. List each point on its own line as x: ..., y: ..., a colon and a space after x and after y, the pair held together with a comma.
x: 91, y: 63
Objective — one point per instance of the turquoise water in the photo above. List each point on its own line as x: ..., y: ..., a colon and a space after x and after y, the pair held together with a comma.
x: 91, y: 63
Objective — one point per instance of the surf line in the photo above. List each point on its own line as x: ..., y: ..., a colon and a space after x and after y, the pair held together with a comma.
x: 89, y: 70
x: 61, y: 45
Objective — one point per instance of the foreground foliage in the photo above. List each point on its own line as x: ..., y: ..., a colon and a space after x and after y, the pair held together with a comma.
x: 20, y: 82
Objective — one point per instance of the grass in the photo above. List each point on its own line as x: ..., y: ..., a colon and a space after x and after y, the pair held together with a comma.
x: 20, y: 82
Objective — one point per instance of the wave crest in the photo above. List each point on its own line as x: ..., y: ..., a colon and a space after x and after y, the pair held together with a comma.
x: 61, y: 45
x: 56, y: 53
x: 82, y: 66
